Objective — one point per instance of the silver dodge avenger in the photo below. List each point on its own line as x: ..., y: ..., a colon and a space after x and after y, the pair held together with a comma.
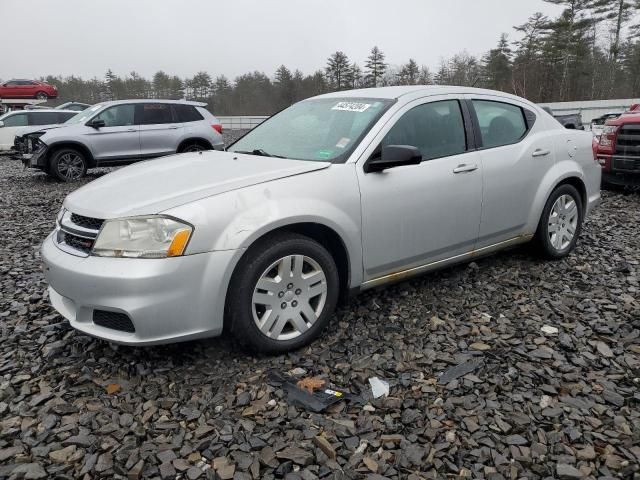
x: 336, y: 194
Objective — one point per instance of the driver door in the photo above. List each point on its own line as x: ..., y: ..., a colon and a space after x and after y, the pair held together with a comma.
x: 119, y: 139
x: 415, y: 215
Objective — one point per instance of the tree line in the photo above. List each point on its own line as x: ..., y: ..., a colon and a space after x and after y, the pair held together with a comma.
x: 590, y: 51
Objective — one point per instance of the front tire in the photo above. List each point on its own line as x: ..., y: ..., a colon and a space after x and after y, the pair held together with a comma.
x: 282, y: 294
x: 560, y: 223
x: 42, y: 96
x: 67, y: 165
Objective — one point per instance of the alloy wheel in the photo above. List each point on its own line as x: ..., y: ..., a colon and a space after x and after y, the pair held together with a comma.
x: 71, y: 166
x: 289, y: 297
x: 563, y: 222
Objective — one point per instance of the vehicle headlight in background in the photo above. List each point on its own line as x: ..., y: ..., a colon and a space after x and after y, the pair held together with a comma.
x: 142, y: 237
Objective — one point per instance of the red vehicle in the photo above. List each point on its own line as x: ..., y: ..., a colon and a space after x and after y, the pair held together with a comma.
x: 27, y: 89
x: 618, y: 150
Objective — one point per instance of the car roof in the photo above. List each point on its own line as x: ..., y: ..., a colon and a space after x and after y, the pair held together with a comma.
x: 41, y: 110
x: 415, y: 91
x: 153, y: 100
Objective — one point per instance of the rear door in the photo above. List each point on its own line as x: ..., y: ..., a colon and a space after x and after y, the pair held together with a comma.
x: 27, y: 88
x: 515, y: 157
x: 118, y: 140
x: 160, y: 131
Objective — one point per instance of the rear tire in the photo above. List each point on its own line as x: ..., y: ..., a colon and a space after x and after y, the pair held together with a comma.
x: 193, y: 147
x: 561, y: 223
x: 282, y: 294
x: 67, y: 165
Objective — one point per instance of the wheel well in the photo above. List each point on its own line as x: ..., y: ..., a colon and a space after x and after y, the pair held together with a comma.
x: 77, y: 146
x: 579, y: 185
x: 199, y: 141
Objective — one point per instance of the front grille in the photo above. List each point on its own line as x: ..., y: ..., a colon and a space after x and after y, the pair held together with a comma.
x: 87, y: 222
x: 84, y: 245
x: 631, y: 164
x: 628, y: 140
x: 113, y: 320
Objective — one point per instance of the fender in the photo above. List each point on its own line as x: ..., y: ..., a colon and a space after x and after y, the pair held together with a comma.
x: 559, y: 172
x: 81, y: 146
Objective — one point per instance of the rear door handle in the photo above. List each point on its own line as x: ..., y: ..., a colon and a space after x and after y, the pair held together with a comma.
x: 541, y: 153
x: 463, y: 168
x: 173, y: 127
x: 131, y: 130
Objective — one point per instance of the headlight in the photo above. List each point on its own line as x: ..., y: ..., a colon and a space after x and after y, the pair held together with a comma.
x: 142, y: 237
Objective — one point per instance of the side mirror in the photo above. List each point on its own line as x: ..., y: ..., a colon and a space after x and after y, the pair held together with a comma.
x: 1, y: 124
x: 96, y: 124
x: 394, y: 156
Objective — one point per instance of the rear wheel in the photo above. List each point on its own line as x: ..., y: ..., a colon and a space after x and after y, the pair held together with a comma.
x: 282, y: 294
x: 42, y: 96
x: 67, y: 165
x: 561, y: 222
x: 193, y: 147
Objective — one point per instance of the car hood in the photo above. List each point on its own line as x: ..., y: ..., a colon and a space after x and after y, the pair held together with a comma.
x: 154, y: 186
x: 39, y: 128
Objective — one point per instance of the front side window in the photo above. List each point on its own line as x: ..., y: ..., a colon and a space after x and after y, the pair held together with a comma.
x: 117, y: 116
x: 155, y: 113
x: 323, y: 129
x: 64, y: 116
x: 500, y: 123
x: 436, y: 129
x: 84, y: 115
x: 17, y: 120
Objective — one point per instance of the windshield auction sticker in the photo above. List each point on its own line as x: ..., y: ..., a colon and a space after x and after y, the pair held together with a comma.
x: 352, y: 107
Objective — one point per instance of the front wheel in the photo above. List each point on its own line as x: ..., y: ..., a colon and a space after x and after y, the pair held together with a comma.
x: 561, y: 222
x: 67, y: 165
x: 282, y: 294
x: 42, y: 96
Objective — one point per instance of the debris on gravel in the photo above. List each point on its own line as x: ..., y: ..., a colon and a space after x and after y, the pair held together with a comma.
x: 511, y: 367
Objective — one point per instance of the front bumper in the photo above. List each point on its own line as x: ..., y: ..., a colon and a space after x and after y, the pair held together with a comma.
x: 167, y: 300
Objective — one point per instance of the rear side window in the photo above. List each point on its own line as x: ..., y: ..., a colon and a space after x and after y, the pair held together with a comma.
x: 43, y: 118
x: 17, y: 120
x: 155, y: 113
x: 500, y: 123
x: 186, y: 113
x: 436, y: 129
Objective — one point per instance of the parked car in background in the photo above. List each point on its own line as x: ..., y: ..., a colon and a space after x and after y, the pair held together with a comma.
x: 597, y: 124
x: 122, y: 132
x: 27, y: 89
x: 571, y: 121
x: 77, y: 106
x: 12, y: 122
x: 339, y: 193
x: 618, y: 150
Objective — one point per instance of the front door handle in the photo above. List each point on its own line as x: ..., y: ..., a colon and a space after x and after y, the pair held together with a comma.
x: 463, y: 168
x: 541, y: 152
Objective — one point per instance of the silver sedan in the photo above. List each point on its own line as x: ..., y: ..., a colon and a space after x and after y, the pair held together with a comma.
x: 334, y: 195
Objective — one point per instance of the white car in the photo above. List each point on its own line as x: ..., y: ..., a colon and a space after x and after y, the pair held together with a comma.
x: 13, y: 122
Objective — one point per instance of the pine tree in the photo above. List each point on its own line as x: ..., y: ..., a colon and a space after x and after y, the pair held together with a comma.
x: 409, y: 73
x: 338, y: 69
x: 375, y: 67
x: 497, y: 71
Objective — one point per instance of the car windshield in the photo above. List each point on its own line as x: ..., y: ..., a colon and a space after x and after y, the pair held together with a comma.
x: 84, y: 115
x: 323, y: 130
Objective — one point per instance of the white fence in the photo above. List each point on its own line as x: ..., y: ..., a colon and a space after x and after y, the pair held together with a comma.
x: 241, y: 122
x: 591, y: 109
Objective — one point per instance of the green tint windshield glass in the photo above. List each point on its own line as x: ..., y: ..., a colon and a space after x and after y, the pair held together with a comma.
x: 84, y: 115
x: 324, y: 130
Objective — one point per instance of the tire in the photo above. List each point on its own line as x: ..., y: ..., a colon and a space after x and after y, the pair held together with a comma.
x: 561, y: 222
x: 42, y: 96
x: 267, y: 263
x: 193, y: 147
x: 67, y: 165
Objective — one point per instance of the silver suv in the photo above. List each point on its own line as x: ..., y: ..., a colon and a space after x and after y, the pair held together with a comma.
x: 336, y: 194
x: 122, y: 132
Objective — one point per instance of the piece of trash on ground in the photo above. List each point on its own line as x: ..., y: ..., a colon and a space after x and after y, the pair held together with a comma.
x: 379, y: 388
x: 310, y: 393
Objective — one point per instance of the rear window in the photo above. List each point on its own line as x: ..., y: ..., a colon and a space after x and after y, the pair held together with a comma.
x: 17, y: 120
x: 186, y: 113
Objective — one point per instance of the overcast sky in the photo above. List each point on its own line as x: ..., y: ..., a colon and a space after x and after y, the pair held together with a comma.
x: 86, y: 37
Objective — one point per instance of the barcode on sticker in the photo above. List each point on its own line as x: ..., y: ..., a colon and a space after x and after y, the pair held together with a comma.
x: 351, y: 107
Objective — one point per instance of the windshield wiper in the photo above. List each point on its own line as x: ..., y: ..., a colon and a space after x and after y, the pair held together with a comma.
x: 258, y: 151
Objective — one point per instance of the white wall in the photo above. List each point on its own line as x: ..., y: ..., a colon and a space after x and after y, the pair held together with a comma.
x: 591, y: 109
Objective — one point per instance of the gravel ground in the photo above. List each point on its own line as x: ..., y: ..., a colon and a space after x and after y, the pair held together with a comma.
x: 481, y: 387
